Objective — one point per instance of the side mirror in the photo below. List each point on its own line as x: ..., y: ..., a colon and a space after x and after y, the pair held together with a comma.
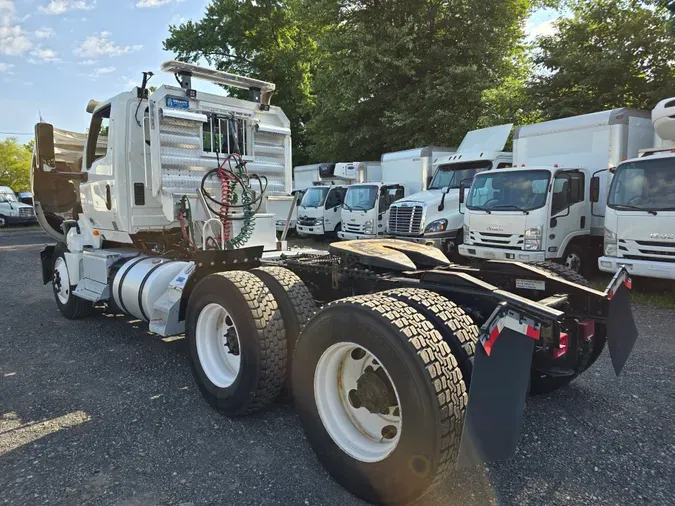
x: 595, y: 189
x: 462, y: 189
x: 44, y: 147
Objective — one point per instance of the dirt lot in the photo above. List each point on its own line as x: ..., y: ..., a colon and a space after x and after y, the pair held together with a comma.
x: 102, y: 412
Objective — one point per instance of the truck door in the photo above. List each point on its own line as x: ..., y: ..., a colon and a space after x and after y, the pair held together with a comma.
x: 99, y: 193
x: 332, y: 208
x: 569, y: 216
x: 388, y: 195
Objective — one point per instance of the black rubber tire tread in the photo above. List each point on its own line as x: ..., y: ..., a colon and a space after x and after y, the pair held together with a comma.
x: 455, y: 326
x: 541, y: 384
x: 270, y: 336
x: 443, y: 376
x: 562, y: 271
x: 76, y: 308
x: 295, y: 302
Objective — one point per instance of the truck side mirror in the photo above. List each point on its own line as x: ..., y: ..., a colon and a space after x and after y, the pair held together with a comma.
x: 462, y: 189
x: 44, y: 147
x: 595, y: 189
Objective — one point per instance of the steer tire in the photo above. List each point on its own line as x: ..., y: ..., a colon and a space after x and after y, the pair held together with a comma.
x: 259, y: 327
x: 544, y: 383
x: 455, y: 326
x: 429, y: 386
x: 295, y: 302
x: 75, y: 308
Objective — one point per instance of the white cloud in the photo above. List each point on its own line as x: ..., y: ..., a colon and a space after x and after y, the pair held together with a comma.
x: 99, y: 44
x: 46, y: 55
x: 13, y: 40
x: 5, y: 67
x: 103, y: 71
x: 7, y: 5
x: 544, y: 29
x: 141, y: 4
x: 88, y: 62
x: 44, y: 33
x: 58, y: 7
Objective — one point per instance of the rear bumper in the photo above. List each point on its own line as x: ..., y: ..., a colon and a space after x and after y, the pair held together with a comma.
x: 487, y: 253
x: 315, y: 230
x: 644, y: 268
x: 349, y: 236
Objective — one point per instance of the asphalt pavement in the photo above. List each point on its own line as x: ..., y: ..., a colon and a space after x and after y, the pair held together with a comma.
x: 100, y: 411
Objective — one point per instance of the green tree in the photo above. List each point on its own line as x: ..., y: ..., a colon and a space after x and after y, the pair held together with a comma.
x: 610, y: 53
x: 266, y: 39
x: 403, y: 74
x: 15, y: 160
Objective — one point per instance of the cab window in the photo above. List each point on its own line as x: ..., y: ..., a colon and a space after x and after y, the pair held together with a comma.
x: 334, y: 198
x: 97, y: 143
x: 568, y: 189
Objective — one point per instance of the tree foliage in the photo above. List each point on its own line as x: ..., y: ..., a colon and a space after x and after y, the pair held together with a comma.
x: 266, y: 39
x: 15, y: 160
x: 610, y: 53
x: 403, y: 74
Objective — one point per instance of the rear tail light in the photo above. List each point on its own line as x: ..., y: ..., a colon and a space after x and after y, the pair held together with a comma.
x: 562, y: 346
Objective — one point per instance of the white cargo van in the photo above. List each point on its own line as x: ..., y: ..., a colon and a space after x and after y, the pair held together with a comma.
x: 542, y: 209
x: 640, y: 215
x: 432, y: 217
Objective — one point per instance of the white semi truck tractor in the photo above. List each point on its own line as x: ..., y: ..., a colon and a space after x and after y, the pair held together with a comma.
x: 159, y: 213
x: 432, y: 217
x: 640, y: 214
x: 542, y: 209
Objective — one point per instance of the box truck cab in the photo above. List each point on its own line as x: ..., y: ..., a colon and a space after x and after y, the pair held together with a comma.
x: 13, y: 212
x: 319, y: 210
x: 432, y: 217
x: 543, y: 209
x: 365, y: 210
x: 640, y: 214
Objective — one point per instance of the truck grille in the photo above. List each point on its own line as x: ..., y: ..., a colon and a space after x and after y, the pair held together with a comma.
x: 26, y: 212
x: 647, y: 250
x: 353, y: 227
x: 502, y: 241
x: 306, y: 222
x: 406, y: 220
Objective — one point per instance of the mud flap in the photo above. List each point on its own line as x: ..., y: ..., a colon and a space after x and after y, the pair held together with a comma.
x: 47, y: 262
x: 621, y: 330
x: 499, y: 386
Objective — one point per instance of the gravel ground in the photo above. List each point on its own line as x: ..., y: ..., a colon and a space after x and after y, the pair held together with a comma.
x: 100, y: 411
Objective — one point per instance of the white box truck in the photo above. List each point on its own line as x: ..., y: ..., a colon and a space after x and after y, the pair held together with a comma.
x: 542, y: 209
x: 640, y: 216
x: 319, y: 210
x: 432, y: 217
x: 365, y: 212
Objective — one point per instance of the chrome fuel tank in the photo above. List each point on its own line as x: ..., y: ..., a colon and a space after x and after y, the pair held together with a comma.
x: 141, y: 281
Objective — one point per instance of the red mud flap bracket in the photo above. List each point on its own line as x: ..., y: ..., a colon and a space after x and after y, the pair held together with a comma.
x: 499, y: 386
x: 621, y: 330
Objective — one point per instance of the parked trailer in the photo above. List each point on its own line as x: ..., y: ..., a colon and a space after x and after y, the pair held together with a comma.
x: 383, y: 373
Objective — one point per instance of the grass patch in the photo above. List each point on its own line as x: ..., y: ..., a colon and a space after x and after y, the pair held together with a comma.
x: 649, y: 292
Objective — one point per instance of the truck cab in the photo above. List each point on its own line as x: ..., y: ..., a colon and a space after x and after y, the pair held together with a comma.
x: 365, y: 211
x: 12, y: 211
x: 432, y: 217
x: 528, y: 215
x: 319, y: 211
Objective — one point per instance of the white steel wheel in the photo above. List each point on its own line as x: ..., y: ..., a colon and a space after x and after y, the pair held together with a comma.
x: 573, y: 261
x: 358, y: 402
x: 61, y: 280
x: 218, y: 345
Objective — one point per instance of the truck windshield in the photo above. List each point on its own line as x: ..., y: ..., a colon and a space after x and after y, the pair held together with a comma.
x: 647, y: 185
x: 452, y: 174
x: 360, y: 198
x: 315, y: 197
x: 8, y: 197
x: 522, y: 190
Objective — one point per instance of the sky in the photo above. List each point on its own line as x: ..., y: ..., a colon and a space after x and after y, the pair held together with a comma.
x: 56, y: 55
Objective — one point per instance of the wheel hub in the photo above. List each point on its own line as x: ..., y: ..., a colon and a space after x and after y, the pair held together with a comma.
x: 232, y: 341
x: 373, y: 392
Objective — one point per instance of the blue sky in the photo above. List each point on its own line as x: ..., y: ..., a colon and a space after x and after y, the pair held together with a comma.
x: 56, y: 55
